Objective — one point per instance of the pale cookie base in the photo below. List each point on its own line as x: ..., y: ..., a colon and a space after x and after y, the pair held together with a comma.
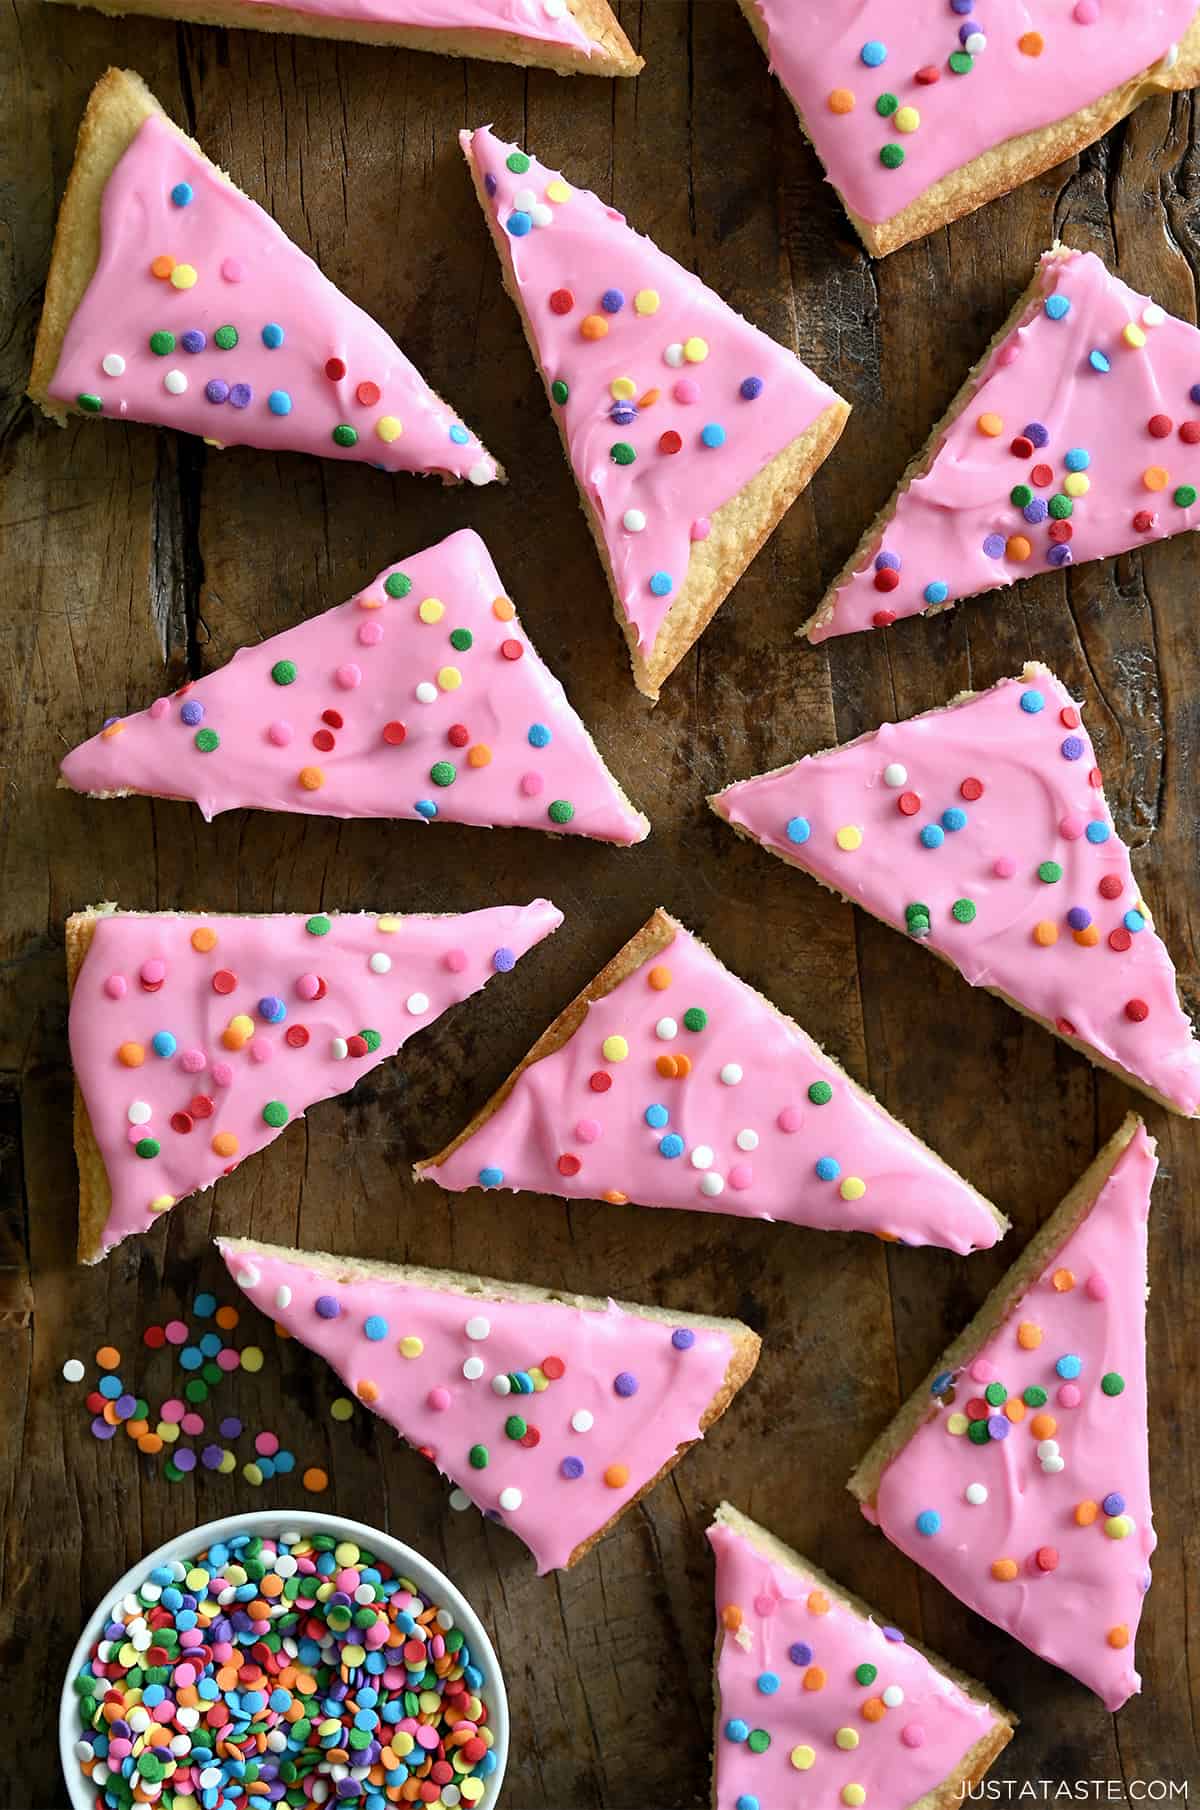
x: 952, y: 1791
x: 656, y: 935
x: 1007, y: 165
x: 613, y: 53
x: 1070, y: 1213
x: 1033, y: 670
x: 117, y: 107
x: 921, y: 461
x: 738, y: 529
x: 746, y: 1343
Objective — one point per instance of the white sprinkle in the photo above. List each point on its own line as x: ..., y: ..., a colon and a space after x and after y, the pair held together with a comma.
x: 1172, y: 57
x: 541, y: 215
x: 285, y: 1565
x: 210, y: 1777
x: 481, y: 473
x: 1153, y: 315
x: 112, y: 364
x: 500, y: 1384
x: 416, y: 1003
x: 380, y: 963
x: 554, y: 9
x: 83, y: 1750
x: 427, y: 692
x: 365, y: 1593
x: 747, y: 1140
x: 459, y: 1500
x: 634, y: 520
x: 175, y: 383
x: 139, y: 1112
x: 674, y: 355
x: 712, y: 1184
x: 1047, y: 1448
x: 72, y: 1371
x: 477, y: 1327
x: 473, y: 1370
x: 894, y: 774
x: 731, y: 1074
x: 510, y: 1498
x: 666, y: 1028
x: 249, y: 1277
x: 339, y: 1049
x: 525, y: 199
x: 702, y: 1157
x: 893, y: 1696
x: 187, y: 1717
x: 975, y: 44
x: 1052, y: 1466
x: 283, y: 1298
x: 582, y: 1421
x: 976, y: 1494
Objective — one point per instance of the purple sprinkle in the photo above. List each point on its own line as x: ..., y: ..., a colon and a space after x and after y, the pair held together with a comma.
x: 489, y: 183
x: 622, y: 415
x: 1145, y: 1580
x: 683, y: 1338
x: 1114, y: 1503
x: 1072, y: 748
x: 612, y: 301
x: 1194, y: 392
x: 241, y: 395
x: 751, y: 388
x: 571, y: 1468
x: 1035, y: 512
x: 994, y: 546
x: 217, y: 390
x: 185, y: 1460
x: 960, y: 6
x: 101, y: 1428
x: 125, y: 1406
x: 211, y: 1457
x: 328, y: 1307
x: 893, y: 1634
x: 1058, y: 555
x: 800, y: 1653
x: 230, y: 1427
x: 625, y: 1383
x: 192, y: 713
x: 965, y: 31
x: 504, y: 961
x: 887, y: 562
x: 998, y: 1426
x: 1035, y: 431
x: 193, y: 340
x: 1079, y: 917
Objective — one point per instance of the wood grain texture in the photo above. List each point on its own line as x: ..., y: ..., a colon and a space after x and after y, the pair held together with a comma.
x: 126, y: 551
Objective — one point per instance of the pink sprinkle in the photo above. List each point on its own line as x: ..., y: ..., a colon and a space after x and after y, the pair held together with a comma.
x: 153, y: 973
x: 392, y: 1676
x: 701, y: 528
x: 370, y: 634
x: 437, y: 1646
x: 233, y: 270
x: 1004, y: 867
x: 983, y: 1371
x: 184, y: 1675
x: 1008, y: 354
x: 741, y: 1175
x: 119, y: 1749
x: 913, y: 1735
x: 135, y: 1133
x: 532, y: 784
x: 1096, y: 1288
x: 222, y: 1074
x: 686, y: 390
x: 588, y: 1130
x: 177, y: 1332
x: 426, y: 1737
x: 1086, y: 12
x: 266, y: 1445
x: 261, y: 1050
x: 376, y: 1635
x: 280, y: 733
x: 227, y: 1358
x: 115, y: 986
x: 192, y: 1423
x: 308, y: 986
x: 348, y: 676
x: 192, y: 1062
x: 455, y: 960
x: 159, y: 708
x: 438, y: 1399
x: 1072, y: 827
x: 194, y: 1637
x: 1069, y: 1396
x: 172, y: 1411
x: 764, y: 1605
x: 790, y: 1119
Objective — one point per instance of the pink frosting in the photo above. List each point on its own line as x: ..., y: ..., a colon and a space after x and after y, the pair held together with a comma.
x: 333, y: 371
x: 778, y: 1627
x: 541, y: 21
x: 1076, y: 1598
x: 1105, y: 433
x: 387, y: 715
x: 816, y: 49
x: 762, y: 1125
x: 178, y: 1047
x: 609, y: 1388
x: 1058, y: 924
x: 677, y: 355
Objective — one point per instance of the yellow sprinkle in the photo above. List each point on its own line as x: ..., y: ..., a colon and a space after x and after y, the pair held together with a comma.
x: 695, y: 350
x: 184, y: 276
x: 847, y: 1739
x: 431, y: 609
x: 161, y: 1202
x: 252, y: 1358
x: 167, y: 1431
x: 353, y: 1655
x: 539, y: 1379
x: 906, y: 119
x: 471, y: 1790
x: 252, y: 1474
x: 412, y: 1346
x: 853, y: 1188
x: 402, y: 1744
x: 1132, y: 334
x: 347, y: 1553
x: 388, y: 428
x: 957, y: 1424
x: 646, y: 301
x: 228, y: 1463
x: 854, y: 1794
x: 386, y: 926
x: 342, y: 1408
x: 449, y: 678
x: 558, y: 191
x: 849, y: 837
x: 1119, y: 1527
x: 614, y: 1049
x: 622, y: 389
x: 802, y: 1757
x: 1077, y: 483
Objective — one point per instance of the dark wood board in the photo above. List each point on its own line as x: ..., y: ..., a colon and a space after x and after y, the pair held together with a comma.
x: 124, y: 549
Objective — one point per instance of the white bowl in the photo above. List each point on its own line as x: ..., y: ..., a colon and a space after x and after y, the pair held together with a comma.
x: 269, y: 1523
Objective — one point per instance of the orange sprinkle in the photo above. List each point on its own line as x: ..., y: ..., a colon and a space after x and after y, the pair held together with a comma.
x: 503, y: 610
x: 615, y: 1198
x: 480, y: 756
x: 841, y: 101
x: 1031, y: 43
x: 110, y: 730
x: 315, y: 1479
x: 649, y: 399
x: 1063, y: 1280
x: 131, y: 1055
x: 110, y: 1413
x: 1086, y: 1512
x: 135, y: 1428
x: 162, y: 266
x: 367, y: 1390
x: 1156, y: 477
x: 271, y: 1585
x: 616, y: 1476
x: 991, y: 425
x: 1029, y: 1335
x: 814, y: 1678
x: 225, y: 1144
x: 311, y: 778
x: 818, y: 1603
x: 593, y: 326
x: 1045, y: 934
x: 666, y: 1067
x: 731, y: 1617
x: 1004, y: 1570
x: 874, y: 1709
x: 1088, y: 937
x: 1018, y: 548
x: 1118, y: 1636
x: 659, y: 978
x: 1014, y: 1409
x: 226, y: 1317
x: 108, y: 1357
x: 204, y: 939
x: 1043, y: 1426
x: 683, y: 1067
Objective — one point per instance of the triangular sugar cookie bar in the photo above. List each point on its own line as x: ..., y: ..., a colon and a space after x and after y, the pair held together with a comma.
x: 689, y: 431
x: 195, y: 1039
x: 982, y: 830
x: 421, y: 697
x: 671, y: 1083
x: 573, y: 37
x: 1077, y: 437
x: 551, y: 1412
x: 173, y: 298
x: 820, y: 1701
x: 1018, y: 1473
x: 921, y: 113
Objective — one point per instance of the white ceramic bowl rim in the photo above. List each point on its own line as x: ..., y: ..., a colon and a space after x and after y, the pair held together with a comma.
x: 268, y: 1523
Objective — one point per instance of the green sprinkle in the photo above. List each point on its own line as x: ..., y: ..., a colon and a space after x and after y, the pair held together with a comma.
x: 866, y: 1674
x: 172, y: 1476
x: 478, y: 1457
x: 1185, y: 496
x: 886, y: 105
x: 1112, y: 1382
x: 207, y: 740
x: 622, y: 453
x: 695, y: 1018
x: 963, y: 911
x: 1034, y: 1396
x: 397, y: 584
x: 284, y: 672
x: 1061, y: 507
x: 345, y: 435
x: 161, y: 343
x: 226, y: 337
x: 978, y: 1433
x: 515, y: 1427
x: 91, y: 405
x: 820, y: 1093
x: 147, y: 1147
x: 559, y: 390
x: 759, y: 1740
x: 517, y: 162
x: 443, y: 773
x: 195, y: 1390
x: 561, y: 811
x: 461, y: 639
x: 1020, y: 495
x: 996, y: 1393
x: 275, y: 1113
x: 319, y: 925
x: 961, y: 62
x: 372, y: 1039
x: 892, y: 156
x: 1050, y: 872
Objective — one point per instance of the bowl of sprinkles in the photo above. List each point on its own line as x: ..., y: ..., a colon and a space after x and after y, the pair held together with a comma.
x: 283, y: 1658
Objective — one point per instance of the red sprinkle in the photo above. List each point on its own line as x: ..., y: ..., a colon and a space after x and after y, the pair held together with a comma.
x: 1069, y: 718
x: 1021, y: 448
x: 1112, y: 886
x: 155, y: 1338
x: 883, y: 618
x: 458, y: 735
x: 1189, y: 433
x: 1041, y: 475
x: 368, y: 394
x: 529, y: 1438
x: 1061, y: 532
x: 569, y: 1164
x: 1137, y: 1011
x: 512, y: 650
x: 553, y: 1367
x: 669, y: 442
x: 182, y: 1122
x: 1120, y: 939
x: 296, y: 1036
x: 223, y: 981
x: 929, y: 75
x: 886, y: 579
x: 971, y: 789
x: 335, y: 369
x: 977, y: 1408
x: 1065, y: 1026
x: 334, y: 718
x: 324, y: 739
x: 1160, y: 426
x: 908, y: 803
x: 356, y: 1045
x: 1047, y: 1558
x: 600, y: 1082
x: 1143, y: 521
x: 562, y: 301
x: 201, y: 1107
x: 394, y: 734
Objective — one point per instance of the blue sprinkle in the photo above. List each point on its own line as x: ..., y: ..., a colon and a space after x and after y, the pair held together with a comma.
x: 936, y: 591
x: 612, y: 301
x: 660, y: 584
x: 1032, y: 702
x: 425, y: 807
x: 375, y: 1327
x: 932, y: 836
x: 873, y: 53
x: 490, y: 1178
x: 737, y: 1730
x: 519, y: 223
x: 657, y: 1116
x: 928, y: 1521
x: 181, y: 194
x: 713, y: 434
x: 941, y: 1382
x: 1099, y: 361
x: 193, y: 340
x: 272, y: 336
x: 1057, y: 307
x: 210, y: 1344
x: 279, y: 402
x: 1069, y: 1366
x: 1077, y: 459
x: 799, y: 829
x: 285, y: 1464
x: 747, y: 1801
x: 459, y: 434
x: 751, y: 388
x: 1097, y: 831
x: 671, y: 1145
x: 683, y: 1338
x: 768, y: 1683
x: 204, y: 1305
x: 954, y: 819
x: 539, y: 735
x: 110, y: 1387
x: 192, y: 713
x: 1134, y: 921
x: 828, y: 1168
x: 164, y: 1043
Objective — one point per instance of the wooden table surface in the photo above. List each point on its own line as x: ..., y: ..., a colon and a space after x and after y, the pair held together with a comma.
x: 134, y: 559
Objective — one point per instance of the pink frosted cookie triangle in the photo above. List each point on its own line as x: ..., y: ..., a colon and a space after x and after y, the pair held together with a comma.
x: 982, y: 831
x: 849, y: 1708
x: 1019, y: 1474
x: 1077, y: 438
x: 551, y: 1412
x: 422, y: 697
x: 671, y: 1083
x: 196, y: 1039
x: 673, y: 409
x: 201, y: 314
